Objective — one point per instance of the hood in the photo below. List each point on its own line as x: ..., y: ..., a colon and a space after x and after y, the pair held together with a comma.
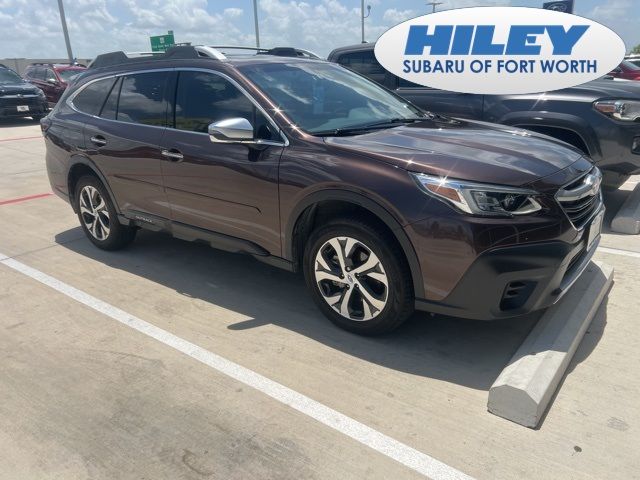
x: 607, y: 87
x: 475, y: 151
x: 23, y: 88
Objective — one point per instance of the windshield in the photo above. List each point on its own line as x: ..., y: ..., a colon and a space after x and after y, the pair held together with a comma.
x: 9, y: 76
x: 66, y: 75
x: 321, y: 97
x: 630, y: 66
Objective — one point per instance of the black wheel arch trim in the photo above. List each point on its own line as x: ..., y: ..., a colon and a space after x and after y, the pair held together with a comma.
x: 562, y: 121
x: 371, y: 205
x: 80, y: 160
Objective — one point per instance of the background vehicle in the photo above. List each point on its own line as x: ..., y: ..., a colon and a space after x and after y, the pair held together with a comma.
x: 52, y: 79
x: 633, y: 58
x: 626, y: 70
x: 307, y: 166
x: 599, y: 117
x: 18, y: 98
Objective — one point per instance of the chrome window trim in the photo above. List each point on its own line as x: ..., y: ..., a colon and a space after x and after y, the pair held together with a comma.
x: 285, y: 140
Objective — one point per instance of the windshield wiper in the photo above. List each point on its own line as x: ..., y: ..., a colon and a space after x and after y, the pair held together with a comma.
x: 344, y: 131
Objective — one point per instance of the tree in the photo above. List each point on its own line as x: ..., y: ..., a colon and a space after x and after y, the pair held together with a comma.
x: 636, y: 49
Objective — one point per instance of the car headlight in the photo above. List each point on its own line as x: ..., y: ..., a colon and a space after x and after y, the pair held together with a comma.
x: 628, y: 110
x: 479, y: 198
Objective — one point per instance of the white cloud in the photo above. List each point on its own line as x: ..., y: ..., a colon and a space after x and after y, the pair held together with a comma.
x: 233, y: 12
x: 394, y: 16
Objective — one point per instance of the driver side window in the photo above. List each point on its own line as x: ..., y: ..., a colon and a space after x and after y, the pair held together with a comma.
x: 203, y: 98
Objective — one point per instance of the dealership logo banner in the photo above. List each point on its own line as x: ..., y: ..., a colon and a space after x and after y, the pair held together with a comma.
x: 500, y: 50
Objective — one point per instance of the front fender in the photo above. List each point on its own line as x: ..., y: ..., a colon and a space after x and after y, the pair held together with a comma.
x: 372, y: 206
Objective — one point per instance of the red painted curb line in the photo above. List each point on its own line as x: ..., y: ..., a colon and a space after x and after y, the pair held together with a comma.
x: 24, y: 199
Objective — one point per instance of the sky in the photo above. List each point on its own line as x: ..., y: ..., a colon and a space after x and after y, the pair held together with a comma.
x: 31, y: 28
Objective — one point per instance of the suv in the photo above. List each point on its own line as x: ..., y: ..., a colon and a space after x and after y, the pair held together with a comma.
x: 18, y: 98
x: 52, y: 79
x: 601, y: 118
x: 308, y: 166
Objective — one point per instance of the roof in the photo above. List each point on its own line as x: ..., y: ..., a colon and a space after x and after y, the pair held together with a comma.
x: 358, y: 47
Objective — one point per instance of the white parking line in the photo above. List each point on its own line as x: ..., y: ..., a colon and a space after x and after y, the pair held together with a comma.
x: 617, y: 251
x: 410, y: 457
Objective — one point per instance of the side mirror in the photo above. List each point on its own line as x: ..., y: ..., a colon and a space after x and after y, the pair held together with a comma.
x: 231, y: 130
x: 52, y: 81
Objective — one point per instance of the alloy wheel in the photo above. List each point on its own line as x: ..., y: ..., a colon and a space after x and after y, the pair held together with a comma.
x: 94, y: 212
x: 351, y: 278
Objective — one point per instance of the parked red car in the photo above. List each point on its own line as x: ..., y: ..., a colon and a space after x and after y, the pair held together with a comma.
x: 51, y: 78
x: 626, y: 70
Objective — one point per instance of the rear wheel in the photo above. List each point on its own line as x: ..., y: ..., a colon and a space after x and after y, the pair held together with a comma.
x: 98, y: 216
x: 358, y: 277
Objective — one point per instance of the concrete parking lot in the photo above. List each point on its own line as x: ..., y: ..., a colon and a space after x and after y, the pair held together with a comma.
x: 83, y: 395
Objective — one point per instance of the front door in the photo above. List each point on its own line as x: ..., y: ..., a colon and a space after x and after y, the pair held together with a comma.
x: 228, y: 188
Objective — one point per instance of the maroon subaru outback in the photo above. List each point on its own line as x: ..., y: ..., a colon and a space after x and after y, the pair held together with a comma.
x: 310, y: 167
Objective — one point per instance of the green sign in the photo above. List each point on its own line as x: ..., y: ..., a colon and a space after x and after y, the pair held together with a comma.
x: 161, y: 43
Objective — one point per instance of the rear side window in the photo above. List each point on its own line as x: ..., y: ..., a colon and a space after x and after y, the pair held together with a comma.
x: 364, y: 63
x: 203, y: 98
x: 142, y: 99
x: 92, y: 97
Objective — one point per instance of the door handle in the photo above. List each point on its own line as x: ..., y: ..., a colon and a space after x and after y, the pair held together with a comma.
x: 173, y: 155
x: 98, y: 140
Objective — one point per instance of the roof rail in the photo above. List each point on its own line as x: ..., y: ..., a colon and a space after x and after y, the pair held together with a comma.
x: 276, y: 51
x: 193, y: 51
x: 120, y: 57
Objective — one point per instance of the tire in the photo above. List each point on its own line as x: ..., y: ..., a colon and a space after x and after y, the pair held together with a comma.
x: 37, y: 118
x: 373, y: 293
x: 98, y: 216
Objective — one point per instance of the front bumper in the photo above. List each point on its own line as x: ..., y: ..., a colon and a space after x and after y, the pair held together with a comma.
x: 9, y: 106
x: 511, y: 281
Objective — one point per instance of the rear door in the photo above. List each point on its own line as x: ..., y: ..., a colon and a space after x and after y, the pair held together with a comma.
x: 228, y: 188
x: 122, y: 137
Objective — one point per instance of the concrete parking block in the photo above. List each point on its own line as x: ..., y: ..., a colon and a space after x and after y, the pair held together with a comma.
x: 627, y: 219
x: 525, y: 387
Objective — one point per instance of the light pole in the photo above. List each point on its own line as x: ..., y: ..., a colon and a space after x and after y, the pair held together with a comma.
x: 434, y: 5
x: 65, y: 31
x: 363, y: 16
x: 255, y: 19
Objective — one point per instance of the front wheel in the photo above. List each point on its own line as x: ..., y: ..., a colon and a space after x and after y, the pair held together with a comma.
x: 98, y: 216
x: 358, y: 277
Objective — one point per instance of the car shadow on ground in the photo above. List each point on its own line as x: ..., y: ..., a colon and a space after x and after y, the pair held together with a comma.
x: 464, y: 352
x: 613, y: 201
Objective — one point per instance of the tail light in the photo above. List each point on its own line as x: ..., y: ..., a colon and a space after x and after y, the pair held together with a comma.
x: 45, y: 123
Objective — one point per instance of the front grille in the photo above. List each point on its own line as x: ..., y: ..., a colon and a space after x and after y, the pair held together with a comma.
x: 581, y: 198
x: 14, y: 101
